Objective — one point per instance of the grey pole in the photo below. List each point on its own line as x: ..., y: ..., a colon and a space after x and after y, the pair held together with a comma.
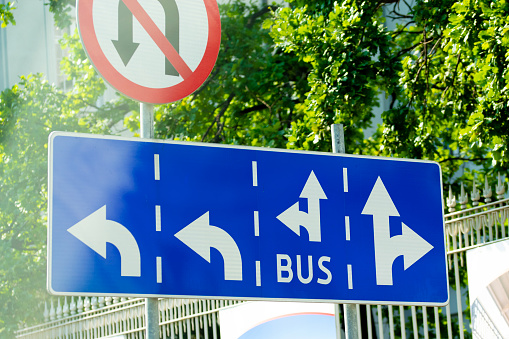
x: 152, y: 314
x: 151, y: 304
x: 350, y: 310
x: 338, y: 138
x: 147, y: 120
x: 351, y: 325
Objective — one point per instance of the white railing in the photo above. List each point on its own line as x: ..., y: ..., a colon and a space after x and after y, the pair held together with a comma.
x: 179, y: 318
x: 185, y: 319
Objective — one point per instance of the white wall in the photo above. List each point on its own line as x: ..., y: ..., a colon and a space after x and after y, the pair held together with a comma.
x: 30, y: 45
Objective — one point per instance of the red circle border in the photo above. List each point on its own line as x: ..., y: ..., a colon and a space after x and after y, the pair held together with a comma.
x: 134, y: 90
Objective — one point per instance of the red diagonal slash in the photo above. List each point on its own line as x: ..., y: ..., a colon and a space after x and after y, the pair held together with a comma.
x: 157, y: 35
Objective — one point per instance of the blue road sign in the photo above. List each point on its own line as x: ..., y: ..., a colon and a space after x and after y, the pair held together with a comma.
x: 136, y: 217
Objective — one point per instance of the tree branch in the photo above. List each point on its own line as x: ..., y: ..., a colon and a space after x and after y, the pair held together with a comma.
x: 225, y: 106
x: 462, y: 159
x: 406, y: 50
x: 251, y: 21
x: 206, y: 83
x: 251, y: 109
x: 402, y: 30
x: 385, y: 2
x: 455, y: 73
x: 426, y: 56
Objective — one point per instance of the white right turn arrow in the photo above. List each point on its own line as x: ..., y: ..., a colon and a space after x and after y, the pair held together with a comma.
x: 200, y: 236
x: 409, y: 244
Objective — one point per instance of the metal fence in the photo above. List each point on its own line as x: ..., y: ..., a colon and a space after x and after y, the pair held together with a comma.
x: 467, y: 228
x: 87, y: 318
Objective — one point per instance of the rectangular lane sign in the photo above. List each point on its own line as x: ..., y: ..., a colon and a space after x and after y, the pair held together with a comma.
x: 137, y: 217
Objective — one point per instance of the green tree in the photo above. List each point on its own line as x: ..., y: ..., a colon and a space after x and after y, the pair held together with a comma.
x: 252, y: 95
x: 6, y: 16
x: 29, y: 111
x: 443, y: 65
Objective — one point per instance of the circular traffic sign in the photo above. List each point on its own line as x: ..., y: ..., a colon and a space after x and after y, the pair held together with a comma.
x: 153, y: 51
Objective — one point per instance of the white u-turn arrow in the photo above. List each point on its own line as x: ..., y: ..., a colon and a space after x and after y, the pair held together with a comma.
x: 95, y: 231
x: 200, y: 236
x: 409, y: 244
x: 293, y: 217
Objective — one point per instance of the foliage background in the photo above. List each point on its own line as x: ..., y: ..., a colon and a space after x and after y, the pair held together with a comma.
x: 283, y: 76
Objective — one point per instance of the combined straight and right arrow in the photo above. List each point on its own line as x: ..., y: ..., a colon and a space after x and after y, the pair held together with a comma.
x: 387, y: 248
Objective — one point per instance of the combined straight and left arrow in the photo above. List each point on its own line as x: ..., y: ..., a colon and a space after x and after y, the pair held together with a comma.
x: 293, y: 217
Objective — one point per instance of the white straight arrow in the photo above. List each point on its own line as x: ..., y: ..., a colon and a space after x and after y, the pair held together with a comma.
x: 200, y: 236
x: 293, y: 217
x: 409, y: 244
x: 95, y: 231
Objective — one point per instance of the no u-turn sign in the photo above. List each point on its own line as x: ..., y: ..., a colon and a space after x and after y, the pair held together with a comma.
x: 154, y: 51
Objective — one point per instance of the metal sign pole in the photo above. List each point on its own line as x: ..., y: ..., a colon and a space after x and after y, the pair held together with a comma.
x: 151, y: 304
x: 350, y: 310
x: 147, y: 120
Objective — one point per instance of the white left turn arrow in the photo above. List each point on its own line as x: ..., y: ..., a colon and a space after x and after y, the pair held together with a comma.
x: 95, y: 231
x: 200, y: 236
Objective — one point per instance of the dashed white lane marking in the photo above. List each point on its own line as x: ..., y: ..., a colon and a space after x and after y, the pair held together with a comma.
x: 350, y: 281
x: 258, y: 274
x: 157, y: 173
x: 345, y: 180
x: 159, y: 270
x: 255, y: 173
